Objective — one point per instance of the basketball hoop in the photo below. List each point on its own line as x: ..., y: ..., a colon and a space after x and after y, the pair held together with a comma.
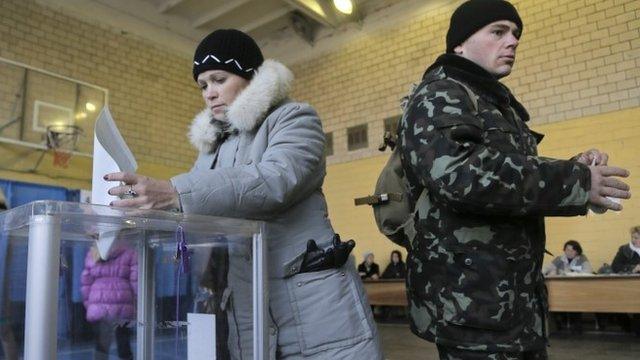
x: 62, y: 139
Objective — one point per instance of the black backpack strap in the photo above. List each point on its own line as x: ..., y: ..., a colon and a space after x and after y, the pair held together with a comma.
x: 378, y: 199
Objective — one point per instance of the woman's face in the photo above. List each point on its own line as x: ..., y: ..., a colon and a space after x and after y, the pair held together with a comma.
x: 570, y: 252
x: 369, y: 259
x: 219, y: 90
x: 635, y: 239
x: 395, y: 258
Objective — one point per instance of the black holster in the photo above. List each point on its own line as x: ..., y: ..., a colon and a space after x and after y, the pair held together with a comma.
x: 317, y: 259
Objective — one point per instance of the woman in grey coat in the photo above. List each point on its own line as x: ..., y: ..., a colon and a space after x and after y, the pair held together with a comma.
x: 572, y: 262
x: 261, y: 157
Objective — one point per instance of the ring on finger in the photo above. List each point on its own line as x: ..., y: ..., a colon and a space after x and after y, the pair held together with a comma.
x: 131, y: 192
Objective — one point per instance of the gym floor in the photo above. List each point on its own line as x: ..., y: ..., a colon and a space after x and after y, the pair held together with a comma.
x: 400, y: 344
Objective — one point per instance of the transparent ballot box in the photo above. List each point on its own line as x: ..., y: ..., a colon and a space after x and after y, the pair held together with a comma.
x: 84, y: 281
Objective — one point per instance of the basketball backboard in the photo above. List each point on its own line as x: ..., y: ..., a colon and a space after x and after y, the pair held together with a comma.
x: 32, y: 99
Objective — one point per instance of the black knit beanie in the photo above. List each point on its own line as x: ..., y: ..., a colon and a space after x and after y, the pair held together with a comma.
x: 473, y: 15
x: 229, y: 50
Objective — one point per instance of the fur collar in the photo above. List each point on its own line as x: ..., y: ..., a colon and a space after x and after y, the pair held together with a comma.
x: 270, y: 85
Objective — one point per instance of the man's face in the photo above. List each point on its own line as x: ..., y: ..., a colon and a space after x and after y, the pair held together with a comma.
x: 219, y: 90
x: 493, y: 47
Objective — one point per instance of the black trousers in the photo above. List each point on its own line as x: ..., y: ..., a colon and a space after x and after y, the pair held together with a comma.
x: 105, y: 334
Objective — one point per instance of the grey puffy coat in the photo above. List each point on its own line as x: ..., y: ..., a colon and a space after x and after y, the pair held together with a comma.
x: 562, y: 266
x: 272, y: 168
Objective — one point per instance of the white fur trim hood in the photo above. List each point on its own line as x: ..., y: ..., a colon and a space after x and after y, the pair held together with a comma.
x: 270, y: 85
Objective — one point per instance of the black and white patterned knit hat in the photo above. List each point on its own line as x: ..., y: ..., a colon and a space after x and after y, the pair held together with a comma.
x: 229, y: 50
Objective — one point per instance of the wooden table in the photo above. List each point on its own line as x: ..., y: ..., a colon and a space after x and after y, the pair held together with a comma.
x: 386, y: 292
x: 593, y: 293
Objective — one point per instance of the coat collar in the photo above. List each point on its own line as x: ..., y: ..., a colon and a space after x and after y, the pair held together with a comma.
x: 270, y: 85
x: 633, y: 249
x: 478, y: 78
x: 627, y: 251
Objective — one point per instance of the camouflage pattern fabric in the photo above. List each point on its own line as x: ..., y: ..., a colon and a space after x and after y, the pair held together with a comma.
x: 474, y: 277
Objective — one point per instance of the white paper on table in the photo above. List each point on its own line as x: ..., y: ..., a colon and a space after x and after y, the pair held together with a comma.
x: 201, y: 336
x: 110, y: 154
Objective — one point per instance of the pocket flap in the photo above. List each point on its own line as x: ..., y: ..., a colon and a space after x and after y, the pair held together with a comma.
x: 328, y: 310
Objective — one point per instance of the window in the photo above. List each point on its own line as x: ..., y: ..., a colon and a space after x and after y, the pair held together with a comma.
x: 328, y: 144
x: 357, y: 137
x: 391, y: 124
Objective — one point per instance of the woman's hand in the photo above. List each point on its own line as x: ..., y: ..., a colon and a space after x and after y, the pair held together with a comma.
x: 145, y: 192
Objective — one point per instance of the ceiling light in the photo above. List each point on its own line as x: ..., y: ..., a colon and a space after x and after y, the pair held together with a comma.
x: 59, y: 123
x: 90, y: 107
x: 81, y: 115
x: 344, y: 6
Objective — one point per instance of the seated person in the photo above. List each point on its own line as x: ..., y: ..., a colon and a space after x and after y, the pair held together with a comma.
x: 369, y: 269
x: 396, y: 268
x: 627, y: 261
x: 572, y: 261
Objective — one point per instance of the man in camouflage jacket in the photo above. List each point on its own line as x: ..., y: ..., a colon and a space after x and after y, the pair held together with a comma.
x: 481, y: 192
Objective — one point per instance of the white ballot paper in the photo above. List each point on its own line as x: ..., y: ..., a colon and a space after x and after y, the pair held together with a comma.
x: 110, y: 154
x: 201, y: 336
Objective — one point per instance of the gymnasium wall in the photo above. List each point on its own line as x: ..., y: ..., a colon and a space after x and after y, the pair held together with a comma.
x: 577, y: 72
x: 152, y: 95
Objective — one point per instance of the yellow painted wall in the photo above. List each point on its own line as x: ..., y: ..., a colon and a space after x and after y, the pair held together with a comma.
x: 617, y: 133
x: 349, y: 180
x: 576, y: 58
x: 577, y: 72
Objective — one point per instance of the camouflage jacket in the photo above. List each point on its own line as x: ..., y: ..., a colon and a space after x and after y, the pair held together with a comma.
x: 474, y: 269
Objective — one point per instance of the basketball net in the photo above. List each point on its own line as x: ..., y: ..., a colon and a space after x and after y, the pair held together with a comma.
x: 62, y: 140
x: 61, y: 158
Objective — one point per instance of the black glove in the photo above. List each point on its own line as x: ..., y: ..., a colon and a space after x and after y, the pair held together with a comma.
x: 316, y: 259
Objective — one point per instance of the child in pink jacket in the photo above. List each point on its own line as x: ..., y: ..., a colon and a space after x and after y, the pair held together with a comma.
x: 109, y: 289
